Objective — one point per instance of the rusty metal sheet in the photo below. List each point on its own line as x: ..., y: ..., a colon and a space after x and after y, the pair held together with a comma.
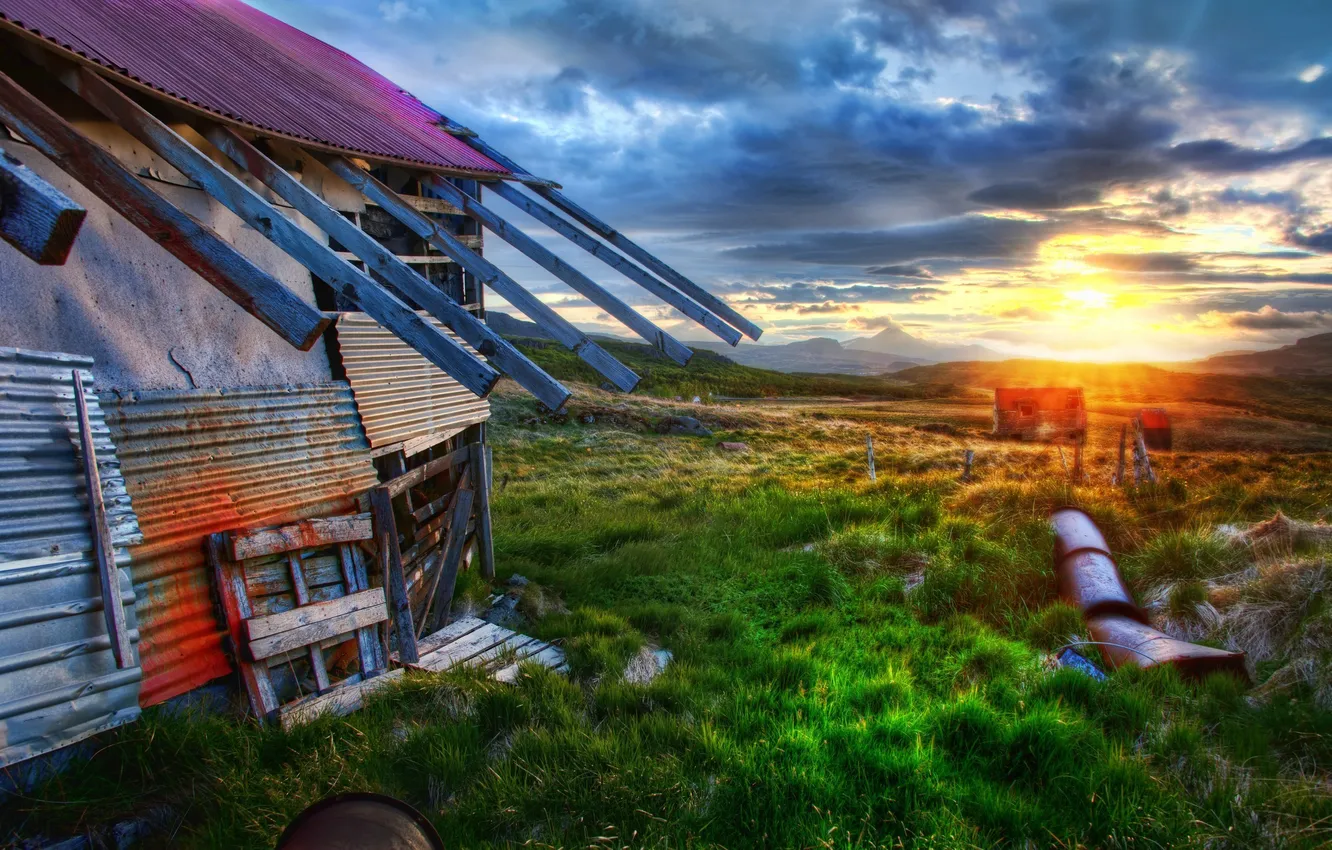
x: 200, y: 461
x: 230, y: 59
x: 59, y: 681
x: 401, y: 396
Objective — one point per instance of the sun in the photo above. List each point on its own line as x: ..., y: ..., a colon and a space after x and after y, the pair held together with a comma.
x: 1088, y: 299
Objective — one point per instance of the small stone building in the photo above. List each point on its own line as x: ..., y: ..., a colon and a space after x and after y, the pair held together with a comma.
x: 1040, y: 413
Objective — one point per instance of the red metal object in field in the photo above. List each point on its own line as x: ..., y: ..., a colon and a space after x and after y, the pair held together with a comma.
x: 1040, y: 413
x: 232, y: 60
x: 1089, y: 579
x: 1156, y: 432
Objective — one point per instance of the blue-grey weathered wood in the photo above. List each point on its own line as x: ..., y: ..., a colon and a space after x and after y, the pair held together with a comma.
x: 615, y: 260
x: 579, y: 282
x: 254, y: 290
x: 487, y: 273
x: 382, y: 261
x: 550, y: 191
x: 36, y: 217
x: 385, y: 308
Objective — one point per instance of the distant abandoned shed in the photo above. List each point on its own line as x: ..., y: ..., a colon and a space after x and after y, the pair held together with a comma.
x: 1156, y: 432
x: 1040, y: 413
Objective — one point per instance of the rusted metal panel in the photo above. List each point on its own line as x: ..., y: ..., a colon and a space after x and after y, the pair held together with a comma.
x: 229, y: 59
x: 58, y: 676
x: 1040, y: 413
x: 401, y: 396
x: 201, y: 461
x: 1156, y: 430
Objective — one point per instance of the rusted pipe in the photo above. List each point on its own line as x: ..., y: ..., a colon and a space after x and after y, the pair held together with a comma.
x: 1089, y: 579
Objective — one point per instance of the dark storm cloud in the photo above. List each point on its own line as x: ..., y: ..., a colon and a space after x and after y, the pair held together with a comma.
x: 1149, y: 262
x: 1318, y: 240
x: 1030, y: 195
x: 900, y: 270
x: 1218, y: 156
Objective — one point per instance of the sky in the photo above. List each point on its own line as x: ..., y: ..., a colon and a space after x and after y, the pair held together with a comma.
x: 1081, y: 179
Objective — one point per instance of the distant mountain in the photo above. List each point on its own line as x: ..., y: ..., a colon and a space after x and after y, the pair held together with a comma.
x: 1309, y: 356
x: 895, y: 341
x: 506, y: 325
x: 820, y: 355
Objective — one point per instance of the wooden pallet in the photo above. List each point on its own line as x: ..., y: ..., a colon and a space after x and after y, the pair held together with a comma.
x: 473, y: 642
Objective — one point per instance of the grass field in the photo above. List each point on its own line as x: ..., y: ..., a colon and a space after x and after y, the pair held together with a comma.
x: 855, y: 664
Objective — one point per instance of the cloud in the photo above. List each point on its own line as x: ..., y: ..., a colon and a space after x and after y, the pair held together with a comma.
x: 803, y: 292
x: 1223, y: 157
x: 1269, y: 318
x: 1148, y: 262
x: 900, y: 271
x: 1030, y: 195
x: 1318, y: 240
x: 1029, y: 313
x: 827, y: 307
x: 875, y: 323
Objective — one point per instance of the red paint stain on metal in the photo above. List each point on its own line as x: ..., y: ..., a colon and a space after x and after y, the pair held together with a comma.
x: 227, y: 58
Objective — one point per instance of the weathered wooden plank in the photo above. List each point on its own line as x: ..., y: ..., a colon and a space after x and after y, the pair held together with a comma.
x: 405, y: 259
x: 458, y: 628
x: 458, y: 651
x: 395, y: 580
x: 575, y: 279
x: 269, y: 578
x: 365, y: 638
x: 230, y: 581
x: 552, y: 657
x: 418, y: 475
x: 513, y: 646
x: 485, y: 545
x: 391, y: 268
x: 338, y: 702
x: 447, y: 577
x: 430, y: 510
x: 36, y: 217
x: 431, y: 527
x: 550, y: 191
x: 314, y: 632
x: 301, y: 592
x: 307, y: 534
x: 104, y: 552
x: 305, y: 615
x: 488, y: 274
x: 615, y: 260
x: 254, y: 290
x: 379, y: 303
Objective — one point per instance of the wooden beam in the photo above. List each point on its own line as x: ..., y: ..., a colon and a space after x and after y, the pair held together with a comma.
x: 386, y: 309
x: 254, y: 290
x: 36, y: 217
x: 384, y: 263
x: 307, y: 534
x: 229, y: 578
x: 446, y: 579
x: 346, y: 698
x: 615, y: 260
x: 544, y: 257
x: 315, y: 632
x: 395, y: 581
x: 481, y: 466
x: 550, y: 191
x: 416, y: 475
x: 256, y: 628
x: 489, y: 275
x: 103, y: 550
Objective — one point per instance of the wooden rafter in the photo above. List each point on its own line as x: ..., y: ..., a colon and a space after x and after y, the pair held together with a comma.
x: 35, y: 217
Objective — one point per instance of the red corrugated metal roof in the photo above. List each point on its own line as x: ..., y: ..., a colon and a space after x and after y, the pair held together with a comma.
x: 228, y: 58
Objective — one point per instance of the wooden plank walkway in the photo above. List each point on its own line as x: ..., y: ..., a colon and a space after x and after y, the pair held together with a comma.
x: 473, y: 642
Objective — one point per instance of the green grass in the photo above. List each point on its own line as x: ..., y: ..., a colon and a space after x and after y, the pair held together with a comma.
x: 813, y: 701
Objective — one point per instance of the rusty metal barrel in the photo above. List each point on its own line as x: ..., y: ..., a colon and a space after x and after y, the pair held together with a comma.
x: 1089, y: 579
x: 360, y: 822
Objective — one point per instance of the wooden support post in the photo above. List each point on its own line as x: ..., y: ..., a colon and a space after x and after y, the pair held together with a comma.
x: 1078, y: 475
x: 229, y: 578
x: 1142, y: 462
x: 549, y: 191
x: 36, y: 217
x: 301, y: 592
x: 385, y: 308
x: 383, y: 262
x: 1118, y: 478
x: 967, y: 457
x: 615, y: 260
x: 482, y: 475
x: 487, y: 273
x: 869, y: 457
x: 1062, y: 461
x: 103, y: 550
x: 254, y: 290
x: 395, y: 581
x: 447, y: 578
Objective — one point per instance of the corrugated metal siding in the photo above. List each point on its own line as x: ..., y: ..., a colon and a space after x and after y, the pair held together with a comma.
x: 402, y: 396
x: 58, y: 678
x: 201, y: 461
x: 228, y: 58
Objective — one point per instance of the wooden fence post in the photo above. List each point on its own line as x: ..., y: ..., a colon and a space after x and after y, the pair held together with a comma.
x: 967, y: 457
x: 1142, y: 462
x: 1119, y: 468
x: 1077, y: 463
x: 482, y: 480
x: 869, y: 453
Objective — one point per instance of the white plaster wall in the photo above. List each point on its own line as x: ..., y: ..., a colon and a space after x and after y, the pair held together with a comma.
x: 148, y: 320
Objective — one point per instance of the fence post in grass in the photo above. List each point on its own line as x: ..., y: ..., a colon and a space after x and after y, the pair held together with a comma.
x: 1119, y: 468
x: 1142, y: 462
x: 869, y: 453
x: 967, y: 457
x: 1077, y: 463
x: 1062, y: 460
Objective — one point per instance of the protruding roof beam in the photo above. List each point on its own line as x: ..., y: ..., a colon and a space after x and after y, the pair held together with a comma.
x: 615, y: 260
x: 379, y: 259
x: 385, y: 308
x: 35, y: 217
x: 579, y: 282
x: 550, y: 191
x: 487, y: 273
x: 254, y: 290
